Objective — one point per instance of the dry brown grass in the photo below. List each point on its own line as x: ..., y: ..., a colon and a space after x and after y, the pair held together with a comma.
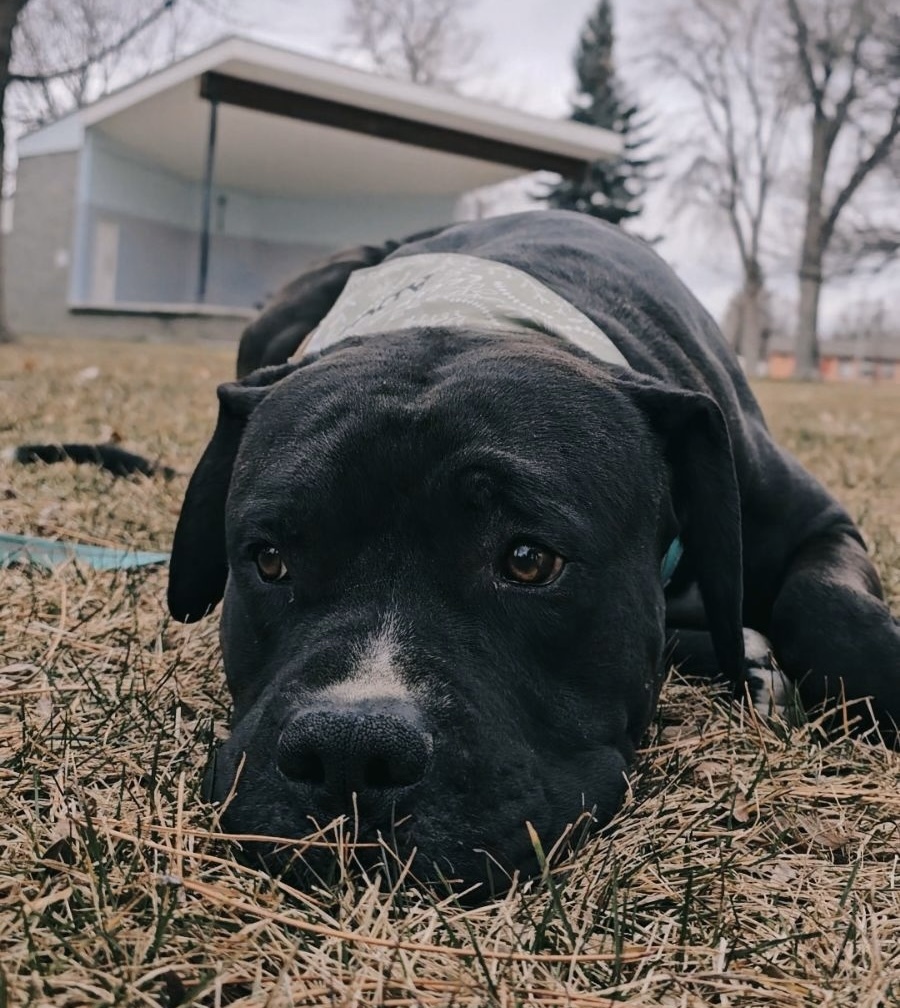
x: 751, y: 866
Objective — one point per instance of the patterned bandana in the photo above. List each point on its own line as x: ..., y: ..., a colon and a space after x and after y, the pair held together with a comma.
x: 454, y: 291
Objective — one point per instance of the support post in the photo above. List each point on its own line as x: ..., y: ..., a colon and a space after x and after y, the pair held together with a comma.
x: 203, y: 270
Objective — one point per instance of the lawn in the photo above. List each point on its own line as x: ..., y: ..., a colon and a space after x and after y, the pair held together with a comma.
x: 752, y: 865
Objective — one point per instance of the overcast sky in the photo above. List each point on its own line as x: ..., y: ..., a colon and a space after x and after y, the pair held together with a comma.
x: 525, y: 60
x: 525, y: 57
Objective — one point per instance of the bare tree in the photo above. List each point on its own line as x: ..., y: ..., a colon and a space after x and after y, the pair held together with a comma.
x: 68, y: 53
x: 865, y: 239
x: 848, y: 52
x: 424, y: 41
x: 720, y: 51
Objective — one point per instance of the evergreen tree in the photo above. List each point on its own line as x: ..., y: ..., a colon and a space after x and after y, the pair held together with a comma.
x: 612, y: 189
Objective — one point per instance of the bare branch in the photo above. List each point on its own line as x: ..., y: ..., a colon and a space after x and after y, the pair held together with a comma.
x: 861, y: 172
x: 70, y: 52
x: 420, y: 40
x: 801, y: 35
x: 96, y: 57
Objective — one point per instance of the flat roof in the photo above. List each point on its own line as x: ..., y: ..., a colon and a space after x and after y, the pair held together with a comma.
x: 381, y: 136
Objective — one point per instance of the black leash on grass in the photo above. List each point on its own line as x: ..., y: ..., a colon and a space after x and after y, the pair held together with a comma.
x: 110, y: 457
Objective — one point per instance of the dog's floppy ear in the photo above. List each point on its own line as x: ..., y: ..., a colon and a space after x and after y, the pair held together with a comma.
x: 198, y: 567
x: 707, y: 505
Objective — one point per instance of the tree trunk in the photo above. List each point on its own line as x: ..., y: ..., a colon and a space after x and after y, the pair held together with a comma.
x: 810, y: 274
x: 9, y: 13
x: 6, y: 334
x: 807, y: 357
x: 752, y: 322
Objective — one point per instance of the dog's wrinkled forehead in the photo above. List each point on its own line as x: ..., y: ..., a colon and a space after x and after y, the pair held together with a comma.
x: 407, y: 405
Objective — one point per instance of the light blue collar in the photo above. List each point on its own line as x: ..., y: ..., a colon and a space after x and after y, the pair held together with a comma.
x: 671, y: 560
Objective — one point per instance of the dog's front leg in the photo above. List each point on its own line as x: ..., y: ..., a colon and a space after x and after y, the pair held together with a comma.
x: 834, y: 635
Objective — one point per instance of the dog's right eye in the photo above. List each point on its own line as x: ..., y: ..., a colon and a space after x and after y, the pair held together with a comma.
x: 270, y: 565
x: 531, y: 564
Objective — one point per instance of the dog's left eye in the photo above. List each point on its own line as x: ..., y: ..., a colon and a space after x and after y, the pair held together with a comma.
x: 270, y: 565
x: 531, y: 564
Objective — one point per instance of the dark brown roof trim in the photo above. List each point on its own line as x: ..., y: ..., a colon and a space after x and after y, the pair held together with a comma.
x: 327, y: 112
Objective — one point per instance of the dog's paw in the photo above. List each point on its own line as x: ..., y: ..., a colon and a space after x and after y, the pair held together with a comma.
x: 771, y: 692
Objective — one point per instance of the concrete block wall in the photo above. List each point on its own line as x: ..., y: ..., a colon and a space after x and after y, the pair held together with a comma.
x: 38, y: 250
x: 38, y: 265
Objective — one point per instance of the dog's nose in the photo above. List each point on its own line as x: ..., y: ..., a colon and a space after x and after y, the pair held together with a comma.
x: 341, y: 753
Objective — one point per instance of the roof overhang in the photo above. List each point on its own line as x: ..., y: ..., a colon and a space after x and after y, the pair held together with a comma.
x: 346, y: 132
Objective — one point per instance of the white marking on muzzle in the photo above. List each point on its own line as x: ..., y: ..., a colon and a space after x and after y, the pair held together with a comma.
x: 376, y: 670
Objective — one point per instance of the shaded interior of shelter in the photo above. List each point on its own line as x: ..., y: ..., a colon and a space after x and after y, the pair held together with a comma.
x: 139, y: 228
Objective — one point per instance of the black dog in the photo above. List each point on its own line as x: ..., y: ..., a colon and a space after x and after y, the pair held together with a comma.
x: 444, y: 543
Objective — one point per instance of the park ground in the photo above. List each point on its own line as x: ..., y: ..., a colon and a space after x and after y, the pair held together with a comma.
x: 753, y: 864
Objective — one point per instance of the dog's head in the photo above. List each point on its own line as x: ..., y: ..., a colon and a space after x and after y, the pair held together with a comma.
x: 440, y: 562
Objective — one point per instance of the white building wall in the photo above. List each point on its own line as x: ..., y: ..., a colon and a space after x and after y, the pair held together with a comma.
x: 38, y: 250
